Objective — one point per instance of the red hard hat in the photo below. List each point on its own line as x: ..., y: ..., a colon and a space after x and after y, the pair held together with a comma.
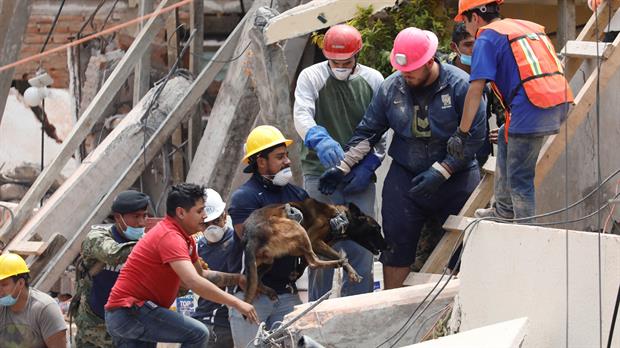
x: 466, y: 5
x: 341, y: 42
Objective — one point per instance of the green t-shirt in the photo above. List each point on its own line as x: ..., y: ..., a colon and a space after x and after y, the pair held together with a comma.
x: 337, y: 105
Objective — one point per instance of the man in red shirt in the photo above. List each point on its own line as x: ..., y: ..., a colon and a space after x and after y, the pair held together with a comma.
x: 137, y: 309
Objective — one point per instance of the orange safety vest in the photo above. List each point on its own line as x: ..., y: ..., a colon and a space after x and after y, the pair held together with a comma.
x: 540, y: 70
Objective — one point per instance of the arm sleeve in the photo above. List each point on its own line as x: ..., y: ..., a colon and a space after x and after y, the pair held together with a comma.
x: 173, y: 247
x: 242, y: 204
x: 375, y: 79
x: 484, y: 58
x: 51, y: 320
x: 101, y: 246
x: 477, y: 131
x: 306, y: 93
x: 368, y: 133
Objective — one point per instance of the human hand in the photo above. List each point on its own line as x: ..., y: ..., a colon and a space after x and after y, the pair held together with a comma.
x: 248, y: 311
x: 329, y: 180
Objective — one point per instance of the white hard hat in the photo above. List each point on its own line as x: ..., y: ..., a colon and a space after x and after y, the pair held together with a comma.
x: 214, y: 206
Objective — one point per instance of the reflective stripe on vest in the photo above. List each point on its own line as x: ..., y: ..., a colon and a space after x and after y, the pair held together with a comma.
x: 540, y: 71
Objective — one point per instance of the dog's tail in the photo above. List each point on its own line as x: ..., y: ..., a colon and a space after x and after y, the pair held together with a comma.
x: 251, y: 273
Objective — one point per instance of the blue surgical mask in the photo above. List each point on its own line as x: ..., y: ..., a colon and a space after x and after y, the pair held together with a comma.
x: 465, y: 59
x: 8, y: 300
x: 132, y: 233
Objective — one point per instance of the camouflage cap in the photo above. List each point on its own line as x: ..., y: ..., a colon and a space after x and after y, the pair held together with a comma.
x: 130, y: 201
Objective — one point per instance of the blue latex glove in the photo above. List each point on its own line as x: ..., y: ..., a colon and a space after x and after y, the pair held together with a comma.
x: 426, y: 183
x: 329, y: 151
x: 359, y: 177
x: 456, y: 144
x: 329, y: 180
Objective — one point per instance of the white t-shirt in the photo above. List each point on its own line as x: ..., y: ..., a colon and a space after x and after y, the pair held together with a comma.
x: 40, y: 319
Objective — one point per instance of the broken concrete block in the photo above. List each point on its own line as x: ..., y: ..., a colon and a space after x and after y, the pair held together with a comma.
x: 368, y: 320
x: 507, y: 334
x: 511, y: 271
x: 9, y: 192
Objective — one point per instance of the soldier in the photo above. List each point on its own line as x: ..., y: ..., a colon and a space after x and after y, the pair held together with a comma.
x: 104, y: 252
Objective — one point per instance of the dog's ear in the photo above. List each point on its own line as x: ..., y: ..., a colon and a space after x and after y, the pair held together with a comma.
x: 355, y: 211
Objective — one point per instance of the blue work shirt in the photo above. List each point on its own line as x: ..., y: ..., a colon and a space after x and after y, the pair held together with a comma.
x: 218, y: 256
x: 393, y: 107
x: 256, y: 193
x: 493, y: 60
x: 104, y: 281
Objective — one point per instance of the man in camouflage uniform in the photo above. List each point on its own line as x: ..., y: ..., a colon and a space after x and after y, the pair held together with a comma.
x: 104, y: 251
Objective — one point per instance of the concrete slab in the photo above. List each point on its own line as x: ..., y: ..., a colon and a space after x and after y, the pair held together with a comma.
x: 368, y: 320
x: 513, y: 271
x: 508, y: 334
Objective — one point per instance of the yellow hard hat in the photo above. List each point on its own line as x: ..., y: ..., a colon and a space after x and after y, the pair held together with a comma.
x: 12, y: 264
x: 261, y: 138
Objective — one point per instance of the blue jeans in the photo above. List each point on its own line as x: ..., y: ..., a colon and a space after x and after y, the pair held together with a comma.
x: 145, y: 326
x: 320, y: 280
x: 514, y: 175
x: 270, y: 312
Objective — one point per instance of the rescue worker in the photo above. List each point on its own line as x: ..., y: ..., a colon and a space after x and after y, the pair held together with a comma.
x: 137, y: 313
x: 216, y: 247
x: 422, y: 103
x: 29, y: 318
x: 330, y: 100
x: 103, y: 253
x: 266, y: 156
x: 517, y: 57
x: 462, y: 46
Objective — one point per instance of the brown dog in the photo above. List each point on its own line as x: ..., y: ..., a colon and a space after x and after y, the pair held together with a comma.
x: 270, y: 233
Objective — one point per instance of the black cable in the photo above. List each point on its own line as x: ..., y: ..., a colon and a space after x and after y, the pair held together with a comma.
x: 90, y: 18
x: 51, y: 31
x: 160, y: 88
x: 613, y: 319
x: 223, y: 61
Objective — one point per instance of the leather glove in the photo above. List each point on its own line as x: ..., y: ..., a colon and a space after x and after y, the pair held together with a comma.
x: 329, y: 151
x: 426, y: 183
x: 456, y: 144
x: 329, y: 180
x: 360, y: 176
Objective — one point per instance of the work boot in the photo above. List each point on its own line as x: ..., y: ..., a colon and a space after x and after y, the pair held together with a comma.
x: 489, y: 213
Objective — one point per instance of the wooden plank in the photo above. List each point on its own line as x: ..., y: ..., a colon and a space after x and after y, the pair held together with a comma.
x: 588, y: 34
x: 93, y: 178
x: 489, y: 165
x: 142, y: 72
x: 194, y: 126
x: 54, y: 268
x: 584, y: 100
x: 81, y: 129
x: 14, y: 16
x: 178, y: 172
x: 587, y: 49
x: 234, y: 111
x: 27, y: 248
x: 441, y: 254
x: 566, y: 21
x: 315, y: 15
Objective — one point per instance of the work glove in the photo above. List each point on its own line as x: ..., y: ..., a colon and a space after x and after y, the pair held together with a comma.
x: 426, y: 183
x: 359, y: 177
x: 456, y: 144
x: 329, y: 180
x: 329, y: 151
